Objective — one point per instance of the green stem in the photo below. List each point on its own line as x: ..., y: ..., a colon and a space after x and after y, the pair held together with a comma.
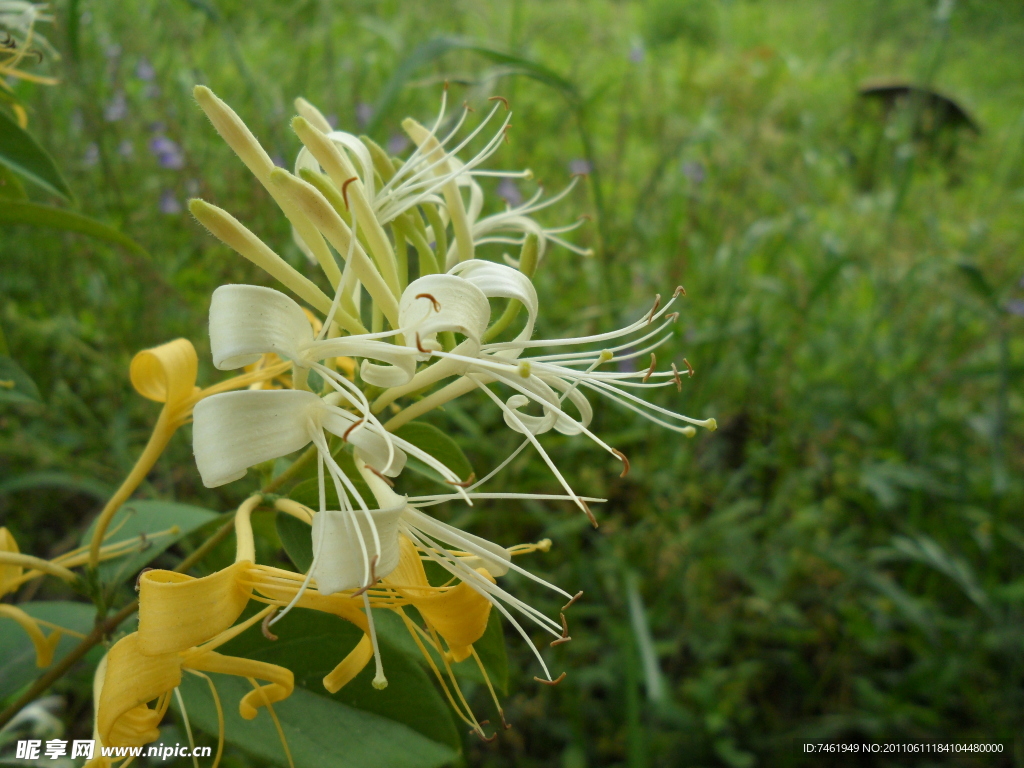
x: 527, y: 265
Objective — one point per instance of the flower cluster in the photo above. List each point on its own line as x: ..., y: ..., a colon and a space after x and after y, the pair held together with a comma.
x: 413, y: 318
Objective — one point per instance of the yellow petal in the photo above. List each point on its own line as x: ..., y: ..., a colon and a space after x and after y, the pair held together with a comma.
x: 132, y: 679
x: 459, y: 613
x: 9, y: 574
x: 281, y: 680
x: 166, y: 374
x: 45, y: 646
x: 350, y: 666
x: 177, y: 611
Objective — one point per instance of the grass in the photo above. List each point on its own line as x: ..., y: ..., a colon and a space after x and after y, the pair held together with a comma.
x: 841, y: 560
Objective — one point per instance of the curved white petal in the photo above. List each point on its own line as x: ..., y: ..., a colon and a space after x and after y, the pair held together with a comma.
x: 537, y: 425
x: 249, y: 320
x: 436, y: 303
x: 340, y: 564
x: 233, y: 431
x: 501, y: 281
x: 568, y: 426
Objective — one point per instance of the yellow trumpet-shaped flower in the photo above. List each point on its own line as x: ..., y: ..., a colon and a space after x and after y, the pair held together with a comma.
x: 167, y: 374
x: 12, y: 564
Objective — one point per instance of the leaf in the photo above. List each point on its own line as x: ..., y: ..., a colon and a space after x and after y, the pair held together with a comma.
x: 11, y: 187
x: 17, y: 654
x: 60, y: 480
x: 139, y: 521
x: 432, y: 440
x: 22, y: 154
x: 296, y: 538
x: 16, y: 386
x: 38, y: 215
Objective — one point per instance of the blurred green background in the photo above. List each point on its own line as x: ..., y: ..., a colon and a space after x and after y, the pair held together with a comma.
x: 841, y: 561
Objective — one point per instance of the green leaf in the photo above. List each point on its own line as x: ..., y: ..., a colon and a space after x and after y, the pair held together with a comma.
x: 139, y: 521
x: 38, y: 215
x: 296, y: 538
x: 22, y: 154
x: 432, y: 440
x: 61, y: 480
x: 11, y: 187
x: 16, y: 386
x: 18, y: 655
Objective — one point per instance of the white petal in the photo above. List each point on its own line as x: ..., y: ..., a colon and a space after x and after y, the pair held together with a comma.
x: 248, y: 320
x: 537, y: 425
x: 233, y: 431
x: 501, y: 281
x: 436, y: 303
x: 568, y: 426
x: 491, y: 556
x: 340, y: 564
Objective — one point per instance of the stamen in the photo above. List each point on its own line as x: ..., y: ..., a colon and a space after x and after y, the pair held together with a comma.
x: 504, y: 724
x: 650, y: 371
x: 575, y: 597
x: 680, y: 291
x: 372, y: 580
x: 675, y: 377
x: 382, y: 476
x: 622, y: 457
x: 565, y: 633
x: 556, y: 681
x: 435, y: 302
x: 380, y: 682
x: 480, y: 733
x: 138, y: 579
x: 265, y: 626
x: 465, y: 106
x: 590, y: 515
x: 344, y: 437
x: 657, y: 303
x: 502, y: 99
x: 464, y: 483
x: 419, y: 346
x: 688, y: 366
x: 344, y: 189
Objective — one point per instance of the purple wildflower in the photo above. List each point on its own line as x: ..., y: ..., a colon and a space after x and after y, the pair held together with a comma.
x: 126, y: 149
x: 169, y: 203
x: 167, y: 153
x: 144, y: 70
x: 91, y: 156
x: 116, y: 109
x: 694, y: 171
x: 579, y: 167
x: 364, y: 112
x: 508, y: 190
x: 397, y: 143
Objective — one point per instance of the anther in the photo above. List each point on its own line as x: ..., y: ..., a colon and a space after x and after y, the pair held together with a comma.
x: 565, y: 633
x: 464, y: 483
x: 584, y: 217
x: 650, y: 371
x: 265, y: 626
x: 524, y: 369
x: 675, y: 377
x: 625, y: 462
x: 504, y: 132
x: 344, y: 438
x: 672, y: 316
x: 680, y: 291
x: 465, y: 106
x: 504, y: 724
x: 657, y: 303
x: 373, y: 578
x: 502, y: 99
x: 446, y: 86
x: 381, y: 475
x: 689, y: 367
x: 483, y: 738
x: 138, y: 579
x: 419, y: 346
x: 590, y: 515
x: 344, y: 189
x: 144, y: 543
x: 556, y: 681
x: 575, y: 597
x: 606, y: 355
x: 433, y: 301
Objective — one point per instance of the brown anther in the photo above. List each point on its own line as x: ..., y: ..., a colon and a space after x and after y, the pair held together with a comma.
x: 680, y: 291
x: 446, y: 85
x: 689, y: 368
x: 381, y: 475
x: 675, y: 377
x: 504, y: 724
x: 657, y: 303
x: 344, y: 189
x: 575, y: 597
x: 650, y: 371
x: 373, y: 578
x: 144, y: 543
x: 465, y: 106
x: 504, y: 132
x: 464, y: 483
x: 502, y: 99
x: 265, y: 626
x: 138, y: 579
x: 419, y: 346
x: 584, y: 217
x: 590, y: 515
x: 483, y: 738
x: 579, y: 175
x: 672, y: 316
x: 556, y: 681
x: 565, y: 633
x: 436, y: 304
x: 344, y: 438
x: 625, y: 462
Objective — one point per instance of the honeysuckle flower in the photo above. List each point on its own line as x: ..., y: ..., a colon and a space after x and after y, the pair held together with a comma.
x: 166, y: 374
x: 20, y: 45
